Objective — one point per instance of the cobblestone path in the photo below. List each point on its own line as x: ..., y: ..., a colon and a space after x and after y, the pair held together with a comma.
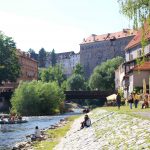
x: 109, y: 131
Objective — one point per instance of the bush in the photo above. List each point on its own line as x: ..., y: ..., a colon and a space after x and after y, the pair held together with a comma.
x: 37, y: 98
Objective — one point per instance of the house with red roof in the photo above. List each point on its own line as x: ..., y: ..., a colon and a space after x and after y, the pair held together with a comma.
x: 134, y: 72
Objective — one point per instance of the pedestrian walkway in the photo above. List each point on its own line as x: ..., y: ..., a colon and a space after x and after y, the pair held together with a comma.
x: 109, y: 131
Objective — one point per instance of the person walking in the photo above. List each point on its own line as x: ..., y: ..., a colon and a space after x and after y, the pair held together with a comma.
x: 136, y: 99
x: 130, y: 100
x: 118, y: 100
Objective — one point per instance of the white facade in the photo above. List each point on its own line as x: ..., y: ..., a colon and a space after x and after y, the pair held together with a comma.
x: 136, y: 52
x: 136, y: 79
x: 119, y: 74
x: 67, y: 60
x: 68, y: 64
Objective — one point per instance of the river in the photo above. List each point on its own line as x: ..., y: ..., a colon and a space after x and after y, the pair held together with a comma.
x: 10, y: 134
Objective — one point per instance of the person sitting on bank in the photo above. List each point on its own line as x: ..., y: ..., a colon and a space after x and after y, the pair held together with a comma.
x: 37, y: 134
x: 86, y: 122
x: 145, y: 104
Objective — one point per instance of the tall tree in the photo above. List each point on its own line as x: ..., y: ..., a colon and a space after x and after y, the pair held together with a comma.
x: 9, y: 64
x: 53, y: 74
x: 42, y: 57
x: 76, y: 81
x: 104, y: 74
x: 53, y: 58
x: 136, y: 10
x: 78, y: 70
x: 33, y: 54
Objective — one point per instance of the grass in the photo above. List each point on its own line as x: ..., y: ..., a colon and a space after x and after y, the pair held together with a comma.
x: 55, y: 136
x: 128, y: 111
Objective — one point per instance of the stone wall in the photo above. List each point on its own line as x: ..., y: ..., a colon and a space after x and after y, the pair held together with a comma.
x: 94, y: 53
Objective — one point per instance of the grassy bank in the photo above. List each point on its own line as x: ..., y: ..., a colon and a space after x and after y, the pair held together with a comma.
x: 136, y: 112
x: 54, y: 136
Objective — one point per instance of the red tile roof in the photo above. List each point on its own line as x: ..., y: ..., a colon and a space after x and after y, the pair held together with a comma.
x: 109, y: 36
x: 137, y: 39
x: 143, y: 67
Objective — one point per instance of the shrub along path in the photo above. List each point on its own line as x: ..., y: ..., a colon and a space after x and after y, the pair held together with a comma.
x: 111, y: 129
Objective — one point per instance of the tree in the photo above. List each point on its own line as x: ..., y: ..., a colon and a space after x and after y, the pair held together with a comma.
x: 53, y: 58
x: 76, y: 82
x: 136, y: 10
x: 53, y: 74
x: 37, y: 98
x: 9, y: 64
x: 104, y: 75
x: 78, y: 70
x: 33, y: 54
x: 42, y: 57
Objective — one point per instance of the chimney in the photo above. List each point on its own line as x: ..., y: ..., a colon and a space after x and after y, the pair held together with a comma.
x: 93, y: 36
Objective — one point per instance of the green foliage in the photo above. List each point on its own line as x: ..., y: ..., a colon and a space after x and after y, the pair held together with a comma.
x: 138, y: 10
x: 53, y: 57
x: 78, y: 70
x: 42, y: 57
x: 76, y: 82
x: 120, y: 91
x: 9, y: 65
x: 104, y: 74
x: 37, y: 98
x: 53, y: 74
x: 64, y: 85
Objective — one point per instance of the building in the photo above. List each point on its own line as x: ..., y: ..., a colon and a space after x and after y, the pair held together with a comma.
x: 119, y: 76
x: 99, y: 48
x: 29, y: 67
x: 135, y: 73
x: 29, y: 71
x: 67, y: 60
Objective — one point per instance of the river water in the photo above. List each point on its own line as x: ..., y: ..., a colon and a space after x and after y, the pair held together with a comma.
x: 10, y: 134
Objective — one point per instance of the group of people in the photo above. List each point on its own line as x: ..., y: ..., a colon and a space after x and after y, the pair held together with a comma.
x: 134, y: 99
x: 12, y: 118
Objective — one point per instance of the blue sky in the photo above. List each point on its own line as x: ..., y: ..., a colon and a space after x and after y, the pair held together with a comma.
x: 58, y: 24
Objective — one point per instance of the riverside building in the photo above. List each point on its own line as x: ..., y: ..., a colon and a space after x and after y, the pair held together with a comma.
x: 96, y: 49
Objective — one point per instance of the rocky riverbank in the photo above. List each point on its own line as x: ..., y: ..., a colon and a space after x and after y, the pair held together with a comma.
x: 109, y: 131
x: 29, y: 145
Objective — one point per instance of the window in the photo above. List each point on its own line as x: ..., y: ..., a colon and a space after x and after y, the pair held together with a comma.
x: 130, y: 56
x: 139, y: 53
